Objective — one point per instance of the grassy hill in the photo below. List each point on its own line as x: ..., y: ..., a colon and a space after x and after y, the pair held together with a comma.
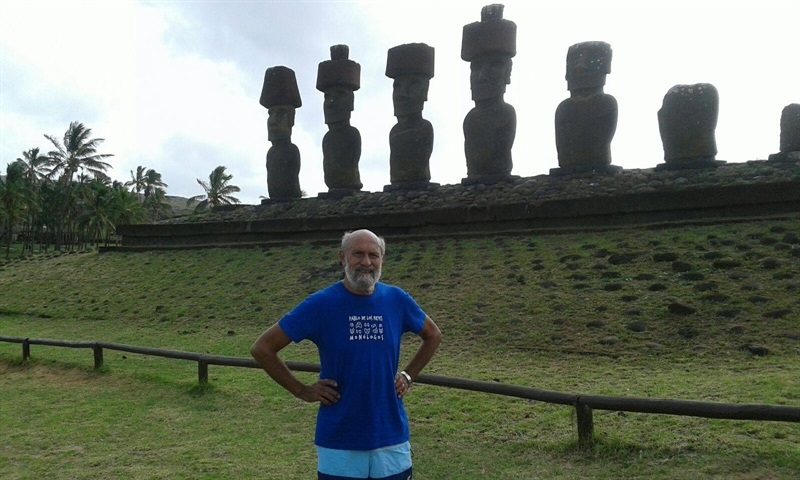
x: 697, y: 312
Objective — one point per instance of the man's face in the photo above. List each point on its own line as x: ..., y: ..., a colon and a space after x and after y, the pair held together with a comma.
x: 409, y: 94
x: 338, y: 104
x: 362, y: 263
x: 489, y: 76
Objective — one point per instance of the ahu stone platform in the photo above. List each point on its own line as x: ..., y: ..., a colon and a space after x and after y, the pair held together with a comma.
x: 523, y: 204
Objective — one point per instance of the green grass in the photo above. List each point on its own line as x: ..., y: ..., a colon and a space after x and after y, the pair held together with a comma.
x: 580, y: 313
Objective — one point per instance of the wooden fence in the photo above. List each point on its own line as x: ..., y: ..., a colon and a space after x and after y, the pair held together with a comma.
x: 583, y: 404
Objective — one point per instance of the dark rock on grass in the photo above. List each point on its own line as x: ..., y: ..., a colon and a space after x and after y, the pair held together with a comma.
x: 783, y: 276
x: 736, y: 330
x: 751, y: 287
x: 665, y: 257
x: 706, y: 286
x: 548, y: 284
x: 681, y: 309
x: 657, y: 287
x: 610, y: 340
x: 795, y: 252
x: 645, y: 276
x: 595, y: 324
x: 569, y: 258
x: 578, y: 276
x: 610, y: 274
x: 692, y: 276
x: 680, y: 266
x: 776, y: 314
x: 633, y: 313
x: 613, y: 287
x: 715, y: 297
x: 726, y: 263
x: 688, y: 332
x: 729, y: 312
x: 637, y: 326
x: 712, y: 256
x: 757, y: 299
x: 768, y: 241
x: 791, y: 238
x: 629, y: 298
x: 770, y: 264
x: 621, y: 258
x: 757, y: 350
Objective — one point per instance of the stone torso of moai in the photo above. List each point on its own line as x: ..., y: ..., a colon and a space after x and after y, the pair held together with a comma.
x: 687, y: 122
x: 587, y: 120
x: 490, y: 127
x: 411, y: 139
x: 790, y: 134
x: 280, y: 96
x: 338, y: 78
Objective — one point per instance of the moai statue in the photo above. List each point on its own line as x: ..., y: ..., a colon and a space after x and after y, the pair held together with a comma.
x: 280, y: 97
x: 411, y: 139
x: 339, y: 78
x: 490, y: 127
x: 587, y: 120
x: 790, y: 135
x: 687, y: 121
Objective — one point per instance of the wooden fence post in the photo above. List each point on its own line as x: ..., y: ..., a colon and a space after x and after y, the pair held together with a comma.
x: 202, y: 372
x: 98, y: 356
x: 585, y: 424
x: 26, y: 350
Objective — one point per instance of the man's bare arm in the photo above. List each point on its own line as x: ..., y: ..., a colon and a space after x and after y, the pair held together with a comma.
x: 265, y: 352
x: 431, y: 338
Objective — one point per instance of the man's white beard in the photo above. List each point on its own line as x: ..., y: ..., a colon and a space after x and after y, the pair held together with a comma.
x: 362, y: 280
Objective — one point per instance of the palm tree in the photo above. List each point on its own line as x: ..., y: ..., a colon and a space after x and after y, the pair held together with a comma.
x: 34, y: 165
x: 218, y: 192
x: 14, y: 199
x: 76, y: 155
x: 138, y: 180
x: 153, y: 183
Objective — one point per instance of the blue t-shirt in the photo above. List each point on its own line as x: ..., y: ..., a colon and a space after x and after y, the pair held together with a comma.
x: 358, y: 338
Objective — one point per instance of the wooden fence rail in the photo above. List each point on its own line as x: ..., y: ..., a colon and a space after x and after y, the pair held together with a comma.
x: 583, y: 404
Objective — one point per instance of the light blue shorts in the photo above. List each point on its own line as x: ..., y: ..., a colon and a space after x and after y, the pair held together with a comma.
x: 386, y: 462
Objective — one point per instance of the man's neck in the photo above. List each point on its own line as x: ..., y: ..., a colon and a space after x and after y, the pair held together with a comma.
x: 352, y: 289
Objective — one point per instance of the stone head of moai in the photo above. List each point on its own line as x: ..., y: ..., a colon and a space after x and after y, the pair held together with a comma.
x: 490, y: 127
x: 338, y: 78
x: 687, y: 122
x: 790, y: 128
x: 411, y: 140
x: 586, y: 121
x: 280, y: 96
x: 790, y: 134
x: 411, y: 67
x: 588, y: 63
x: 489, y: 46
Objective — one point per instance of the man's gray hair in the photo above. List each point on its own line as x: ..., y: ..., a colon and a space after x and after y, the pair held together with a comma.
x: 346, y: 238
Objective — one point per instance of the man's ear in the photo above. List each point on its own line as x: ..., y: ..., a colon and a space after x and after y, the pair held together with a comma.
x: 341, y: 257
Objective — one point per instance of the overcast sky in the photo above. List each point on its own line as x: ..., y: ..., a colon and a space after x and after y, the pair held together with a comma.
x: 174, y: 86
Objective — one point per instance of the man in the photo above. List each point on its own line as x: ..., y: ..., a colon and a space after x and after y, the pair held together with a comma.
x: 357, y: 324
